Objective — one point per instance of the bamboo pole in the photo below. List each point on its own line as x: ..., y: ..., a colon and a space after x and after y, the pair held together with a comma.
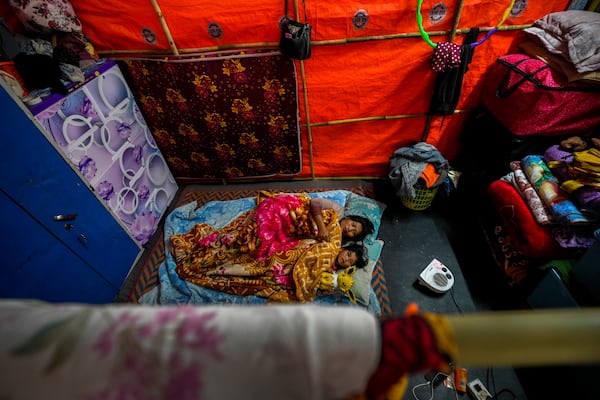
x: 364, y: 119
x: 165, y: 27
x: 456, y: 20
x: 258, y: 45
x: 306, y: 110
x: 527, y: 338
x: 378, y: 118
x: 308, y: 124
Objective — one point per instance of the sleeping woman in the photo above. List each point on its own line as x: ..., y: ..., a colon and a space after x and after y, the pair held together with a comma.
x: 277, y: 250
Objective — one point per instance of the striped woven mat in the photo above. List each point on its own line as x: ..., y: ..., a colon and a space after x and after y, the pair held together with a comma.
x: 147, y: 277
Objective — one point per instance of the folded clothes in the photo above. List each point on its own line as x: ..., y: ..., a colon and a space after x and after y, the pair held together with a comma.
x: 548, y: 188
x: 587, y: 198
x: 538, y: 209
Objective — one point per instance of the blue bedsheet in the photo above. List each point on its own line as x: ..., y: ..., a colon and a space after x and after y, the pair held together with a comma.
x: 174, y: 290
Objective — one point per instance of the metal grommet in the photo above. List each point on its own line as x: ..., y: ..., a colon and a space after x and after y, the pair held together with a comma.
x: 438, y: 13
x: 214, y: 30
x: 360, y: 20
x: 149, y: 36
x: 518, y: 8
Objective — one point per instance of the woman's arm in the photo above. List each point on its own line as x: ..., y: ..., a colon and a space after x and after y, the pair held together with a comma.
x: 316, y: 206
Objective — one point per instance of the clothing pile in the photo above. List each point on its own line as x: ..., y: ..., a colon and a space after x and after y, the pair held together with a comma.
x: 548, y: 207
x: 420, y: 163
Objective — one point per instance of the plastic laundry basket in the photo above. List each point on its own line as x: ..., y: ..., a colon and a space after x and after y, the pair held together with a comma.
x: 423, y: 197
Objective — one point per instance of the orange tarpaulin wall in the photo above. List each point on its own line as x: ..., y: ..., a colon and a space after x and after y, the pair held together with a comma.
x: 366, y: 89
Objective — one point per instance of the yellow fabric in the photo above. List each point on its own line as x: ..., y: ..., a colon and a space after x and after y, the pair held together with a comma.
x: 444, y: 336
x: 320, y: 258
x: 588, y: 160
x: 346, y: 282
x: 584, y: 170
x: 446, y: 344
x: 235, y: 270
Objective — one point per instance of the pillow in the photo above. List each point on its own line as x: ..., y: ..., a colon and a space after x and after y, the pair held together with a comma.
x: 338, y: 196
x: 371, y: 209
x: 46, y: 16
x: 368, y: 208
x: 362, y: 277
x: 573, y: 34
x: 559, y: 63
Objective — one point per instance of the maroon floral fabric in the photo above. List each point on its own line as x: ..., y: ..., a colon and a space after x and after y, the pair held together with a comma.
x: 221, y: 116
x: 46, y: 16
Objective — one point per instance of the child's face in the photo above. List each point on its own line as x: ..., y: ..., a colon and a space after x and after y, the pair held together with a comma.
x: 346, y: 258
x: 350, y: 228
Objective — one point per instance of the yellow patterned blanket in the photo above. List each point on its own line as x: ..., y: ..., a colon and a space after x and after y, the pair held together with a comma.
x: 267, y: 251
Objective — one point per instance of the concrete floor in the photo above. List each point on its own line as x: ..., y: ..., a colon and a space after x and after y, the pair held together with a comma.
x: 450, y: 232
x: 412, y: 239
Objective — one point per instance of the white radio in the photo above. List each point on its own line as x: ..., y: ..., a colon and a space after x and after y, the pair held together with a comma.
x: 437, y: 277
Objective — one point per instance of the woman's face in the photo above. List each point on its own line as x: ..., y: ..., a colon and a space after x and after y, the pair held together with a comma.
x: 346, y: 258
x: 350, y: 228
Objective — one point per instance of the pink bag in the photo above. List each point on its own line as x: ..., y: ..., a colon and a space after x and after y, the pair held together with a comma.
x: 529, y: 97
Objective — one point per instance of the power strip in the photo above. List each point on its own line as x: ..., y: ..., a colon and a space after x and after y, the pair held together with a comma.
x: 478, y: 391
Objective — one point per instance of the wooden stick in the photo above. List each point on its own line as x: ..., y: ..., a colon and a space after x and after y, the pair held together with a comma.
x: 459, y: 9
x: 313, y: 43
x: 165, y: 27
x: 528, y: 338
x: 308, y: 124
x: 306, y: 111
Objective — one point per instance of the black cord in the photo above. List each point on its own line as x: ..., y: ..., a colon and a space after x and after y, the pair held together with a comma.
x: 454, y: 301
x: 490, y: 377
x: 514, y: 396
x: 492, y: 387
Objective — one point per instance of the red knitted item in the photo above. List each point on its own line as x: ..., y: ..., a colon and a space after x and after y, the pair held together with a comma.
x: 408, y: 345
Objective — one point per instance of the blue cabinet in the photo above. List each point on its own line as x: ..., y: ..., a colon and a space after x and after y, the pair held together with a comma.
x: 61, y: 243
x: 99, y: 130
x: 36, y: 267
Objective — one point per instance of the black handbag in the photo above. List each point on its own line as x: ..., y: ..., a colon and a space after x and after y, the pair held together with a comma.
x: 295, y: 36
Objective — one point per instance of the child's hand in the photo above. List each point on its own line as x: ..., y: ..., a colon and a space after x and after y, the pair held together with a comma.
x: 324, y: 234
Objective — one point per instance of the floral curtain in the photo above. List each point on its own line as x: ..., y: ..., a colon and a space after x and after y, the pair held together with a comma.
x: 227, y: 115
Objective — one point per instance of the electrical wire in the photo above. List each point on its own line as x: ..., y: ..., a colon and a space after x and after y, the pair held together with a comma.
x: 430, y: 384
x: 454, y: 301
x: 492, y: 386
x: 489, y: 376
x: 505, y: 390
x: 451, y: 381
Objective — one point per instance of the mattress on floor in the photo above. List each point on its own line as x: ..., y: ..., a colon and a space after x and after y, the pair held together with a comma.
x: 146, y: 273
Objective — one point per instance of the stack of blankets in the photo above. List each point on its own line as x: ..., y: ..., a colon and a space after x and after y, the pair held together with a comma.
x: 549, y: 204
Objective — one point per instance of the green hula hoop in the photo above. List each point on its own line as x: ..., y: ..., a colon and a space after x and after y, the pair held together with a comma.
x: 424, y: 34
